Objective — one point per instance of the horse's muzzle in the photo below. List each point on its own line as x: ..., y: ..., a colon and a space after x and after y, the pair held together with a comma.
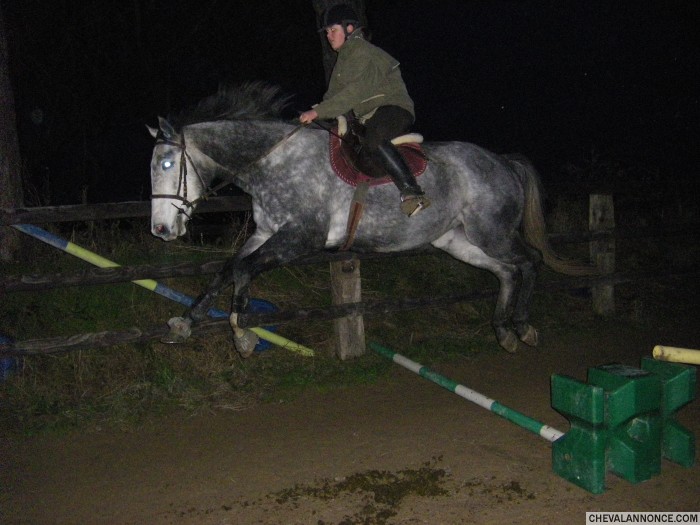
x: 163, y: 232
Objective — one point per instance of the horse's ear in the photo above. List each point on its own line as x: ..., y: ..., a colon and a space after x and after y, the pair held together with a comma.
x: 166, y: 128
x: 152, y: 131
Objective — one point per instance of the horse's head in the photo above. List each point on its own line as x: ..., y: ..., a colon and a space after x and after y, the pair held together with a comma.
x: 175, y: 183
x: 181, y: 172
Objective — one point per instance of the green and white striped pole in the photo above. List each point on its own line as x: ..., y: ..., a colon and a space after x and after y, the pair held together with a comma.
x: 150, y: 284
x: 542, y: 430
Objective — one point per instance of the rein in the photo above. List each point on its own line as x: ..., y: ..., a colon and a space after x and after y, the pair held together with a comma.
x: 184, y: 156
x: 329, y: 130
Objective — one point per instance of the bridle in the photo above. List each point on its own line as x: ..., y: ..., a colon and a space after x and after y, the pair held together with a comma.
x: 182, y: 180
x: 161, y: 138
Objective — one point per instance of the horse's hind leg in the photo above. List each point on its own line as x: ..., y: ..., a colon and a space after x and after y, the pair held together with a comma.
x: 456, y: 244
x: 526, y: 332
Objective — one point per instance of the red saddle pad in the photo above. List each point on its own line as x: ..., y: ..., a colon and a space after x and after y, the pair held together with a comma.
x: 412, y: 153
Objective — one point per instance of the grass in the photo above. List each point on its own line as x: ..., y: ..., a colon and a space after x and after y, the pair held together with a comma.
x: 123, y: 385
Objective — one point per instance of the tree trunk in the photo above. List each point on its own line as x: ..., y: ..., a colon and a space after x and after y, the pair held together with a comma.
x: 320, y: 6
x: 602, y: 217
x: 10, y: 165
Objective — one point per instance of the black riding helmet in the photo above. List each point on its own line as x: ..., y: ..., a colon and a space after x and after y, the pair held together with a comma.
x: 341, y: 14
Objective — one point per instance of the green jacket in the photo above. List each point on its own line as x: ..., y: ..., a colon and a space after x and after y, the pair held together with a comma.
x: 364, y: 78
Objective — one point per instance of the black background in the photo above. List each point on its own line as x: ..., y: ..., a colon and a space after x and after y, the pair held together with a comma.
x: 563, y: 82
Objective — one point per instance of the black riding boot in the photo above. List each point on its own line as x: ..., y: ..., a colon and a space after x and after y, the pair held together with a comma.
x: 413, y: 198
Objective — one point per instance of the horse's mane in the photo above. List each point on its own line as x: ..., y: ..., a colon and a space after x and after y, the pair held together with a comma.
x: 250, y: 100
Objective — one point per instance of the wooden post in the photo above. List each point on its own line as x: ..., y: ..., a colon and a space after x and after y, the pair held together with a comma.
x: 602, y: 217
x: 346, y: 288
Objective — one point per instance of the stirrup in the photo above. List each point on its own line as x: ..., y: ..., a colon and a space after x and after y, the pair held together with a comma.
x: 412, y: 204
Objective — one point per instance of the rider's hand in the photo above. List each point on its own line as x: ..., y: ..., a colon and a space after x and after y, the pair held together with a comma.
x: 308, y: 116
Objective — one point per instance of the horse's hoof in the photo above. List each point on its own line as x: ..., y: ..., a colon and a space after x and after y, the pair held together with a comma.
x: 180, y: 330
x: 245, y: 340
x: 245, y: 344
x: 530, y: 337
x: 509, y: 342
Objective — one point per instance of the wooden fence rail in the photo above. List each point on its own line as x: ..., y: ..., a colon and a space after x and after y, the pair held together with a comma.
x: 136, y: 335
x: 120, y: 210
x: 347, y: 310
x: 96, y: 276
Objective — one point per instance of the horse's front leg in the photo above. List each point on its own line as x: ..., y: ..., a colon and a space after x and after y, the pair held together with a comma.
x: 244, y: 340
x: 181, y: 327
x: 281, y: 248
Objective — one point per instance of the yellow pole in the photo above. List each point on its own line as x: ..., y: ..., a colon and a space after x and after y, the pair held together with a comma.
x: 154, y: 286
x: 148, y: 284
x: 283, y: 342
x: 676, y: 355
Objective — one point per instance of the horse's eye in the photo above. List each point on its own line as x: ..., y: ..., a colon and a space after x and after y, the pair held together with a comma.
x: 166, y: 164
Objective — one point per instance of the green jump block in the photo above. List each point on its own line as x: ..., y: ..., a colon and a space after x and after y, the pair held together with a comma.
x: 579, y: 456
x: 633, y: 419
x: 616, y: 426
x: 623, y: 420
x: 678, y: 388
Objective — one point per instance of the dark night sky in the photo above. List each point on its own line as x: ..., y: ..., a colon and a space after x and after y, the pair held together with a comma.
x: 554, y: 80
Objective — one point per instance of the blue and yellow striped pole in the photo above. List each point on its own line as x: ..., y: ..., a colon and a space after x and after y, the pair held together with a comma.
x: 150, y: 284
x: 542, y: 430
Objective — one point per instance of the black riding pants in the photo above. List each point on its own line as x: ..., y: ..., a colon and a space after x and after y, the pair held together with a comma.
x: 386, y: 123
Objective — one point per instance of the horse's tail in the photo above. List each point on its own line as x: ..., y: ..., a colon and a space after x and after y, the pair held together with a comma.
x: 534, y: 228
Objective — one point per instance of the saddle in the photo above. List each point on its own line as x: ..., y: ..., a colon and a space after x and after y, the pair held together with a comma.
x: 354, y: 168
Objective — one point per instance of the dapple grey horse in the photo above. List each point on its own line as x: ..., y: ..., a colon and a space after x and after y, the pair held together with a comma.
x: 486, y: 209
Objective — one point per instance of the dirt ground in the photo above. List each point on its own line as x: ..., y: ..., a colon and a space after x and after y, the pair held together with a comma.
x: 399, y: 451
